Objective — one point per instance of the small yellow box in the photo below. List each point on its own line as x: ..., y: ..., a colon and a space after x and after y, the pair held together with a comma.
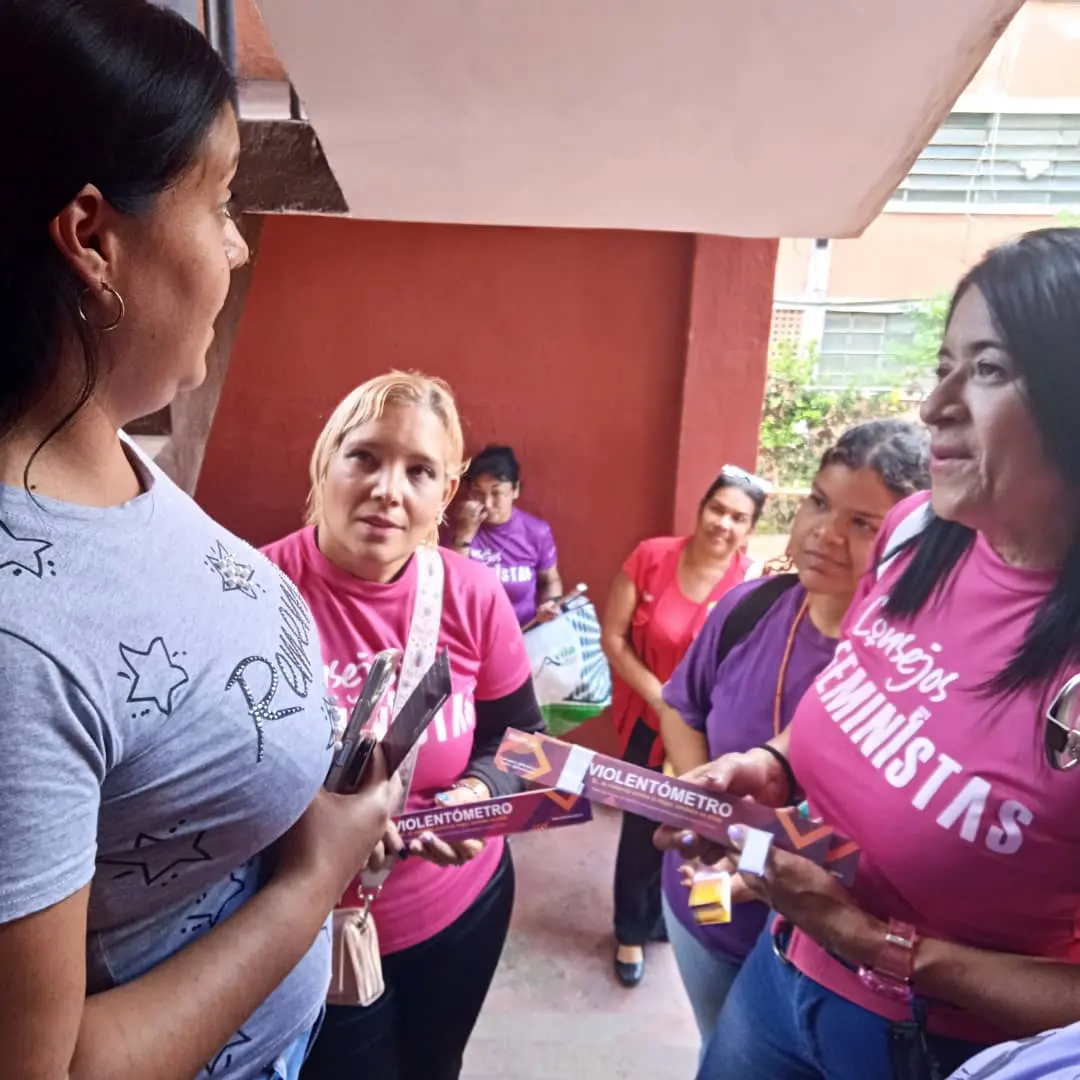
x: 710, y: 897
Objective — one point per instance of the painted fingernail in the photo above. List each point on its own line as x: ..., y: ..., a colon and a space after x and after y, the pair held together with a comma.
x: 686, y: 839
x: 403, y: 853
x: 736, y: 834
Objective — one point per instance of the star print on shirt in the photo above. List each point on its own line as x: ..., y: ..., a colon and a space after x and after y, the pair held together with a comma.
x: 22, y: 554
x: 157, y: 677
x: 235, y: 576
x: 207, y: 920
x: 333, y: 717
x: 224, y: 1057
x: 156, y: 856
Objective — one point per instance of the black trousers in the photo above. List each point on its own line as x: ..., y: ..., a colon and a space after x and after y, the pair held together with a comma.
x: 638, y: 916
x: 434, y: 992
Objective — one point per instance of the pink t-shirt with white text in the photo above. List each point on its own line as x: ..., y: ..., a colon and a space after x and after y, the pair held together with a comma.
x: 356, y: 619
x: 965, y: 829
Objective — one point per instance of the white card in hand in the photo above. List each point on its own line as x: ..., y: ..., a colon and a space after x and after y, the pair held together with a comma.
x: 755, y: 852
x: 572, y: 778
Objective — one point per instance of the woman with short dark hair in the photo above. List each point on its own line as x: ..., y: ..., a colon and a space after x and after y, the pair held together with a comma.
x: 518, y: 546
x: 163, y: 723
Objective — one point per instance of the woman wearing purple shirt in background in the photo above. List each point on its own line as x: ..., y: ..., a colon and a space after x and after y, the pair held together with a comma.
x: 517, y: 546
x: 1053, y: 1055
x: 758, y: 653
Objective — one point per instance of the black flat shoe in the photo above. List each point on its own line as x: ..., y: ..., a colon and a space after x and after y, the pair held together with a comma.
x: 629, y: 973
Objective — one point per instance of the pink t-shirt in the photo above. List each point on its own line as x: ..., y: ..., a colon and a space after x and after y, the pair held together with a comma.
x: 965, y: 830
x: 488, y: 661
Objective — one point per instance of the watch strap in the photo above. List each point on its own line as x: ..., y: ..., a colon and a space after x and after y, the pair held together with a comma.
x: 894, y: 968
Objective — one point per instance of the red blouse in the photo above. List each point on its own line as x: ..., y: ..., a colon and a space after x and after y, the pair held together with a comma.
x: 664, y: 624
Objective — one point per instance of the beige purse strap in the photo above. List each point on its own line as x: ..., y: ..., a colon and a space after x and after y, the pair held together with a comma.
x: 420, y: 651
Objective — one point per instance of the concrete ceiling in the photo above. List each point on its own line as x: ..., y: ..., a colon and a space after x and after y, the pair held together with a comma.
x: 757, y: 118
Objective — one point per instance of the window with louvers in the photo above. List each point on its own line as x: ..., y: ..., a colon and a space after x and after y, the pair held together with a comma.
x: 859, y: 346
x: 1021, y: 160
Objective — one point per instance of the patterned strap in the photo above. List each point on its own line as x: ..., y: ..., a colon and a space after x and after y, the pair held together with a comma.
x: 420, y: 651
x: 422, y: 646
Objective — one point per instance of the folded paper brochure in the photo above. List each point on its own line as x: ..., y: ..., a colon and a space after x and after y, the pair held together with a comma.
x: 502, y: 816
x: 540, y: 759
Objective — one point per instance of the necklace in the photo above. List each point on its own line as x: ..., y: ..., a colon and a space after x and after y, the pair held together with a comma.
x: 778, y: 701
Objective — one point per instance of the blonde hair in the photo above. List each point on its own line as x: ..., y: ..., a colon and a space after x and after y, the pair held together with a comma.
x: 368, y: 402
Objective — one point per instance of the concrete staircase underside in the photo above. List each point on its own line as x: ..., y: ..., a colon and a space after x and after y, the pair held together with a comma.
x: 282, y: 167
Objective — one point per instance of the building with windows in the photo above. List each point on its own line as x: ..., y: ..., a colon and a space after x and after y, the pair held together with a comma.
x: 569, y: 211
x: 1005, y: 160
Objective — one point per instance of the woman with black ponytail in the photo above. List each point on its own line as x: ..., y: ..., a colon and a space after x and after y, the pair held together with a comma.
x: 939, y: 738
x: 168, y: 857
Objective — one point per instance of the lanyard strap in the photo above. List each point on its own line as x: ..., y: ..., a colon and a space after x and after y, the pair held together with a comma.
x: 789, y: 648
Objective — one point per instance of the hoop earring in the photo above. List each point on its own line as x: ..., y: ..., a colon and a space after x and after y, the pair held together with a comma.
x: 121, y: 309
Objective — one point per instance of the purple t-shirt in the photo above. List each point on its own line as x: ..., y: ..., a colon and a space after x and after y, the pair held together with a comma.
x: 1054, y: 1055
x: 733, y: 705
x: 517, y: 551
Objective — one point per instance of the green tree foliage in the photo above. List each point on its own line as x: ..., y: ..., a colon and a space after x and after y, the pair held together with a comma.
x: 801, y: 420
x: 917, y: 359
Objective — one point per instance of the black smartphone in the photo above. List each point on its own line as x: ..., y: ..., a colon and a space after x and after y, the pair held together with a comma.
x: 411, y: 722
x: 357, y: 744
x: 347, y: 772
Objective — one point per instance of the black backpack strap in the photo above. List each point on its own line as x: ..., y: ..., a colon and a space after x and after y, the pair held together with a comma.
x: 749, y: 611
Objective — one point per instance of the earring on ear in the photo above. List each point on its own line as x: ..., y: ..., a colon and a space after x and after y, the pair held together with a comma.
x: 121, y: 308
x: 780, y: 564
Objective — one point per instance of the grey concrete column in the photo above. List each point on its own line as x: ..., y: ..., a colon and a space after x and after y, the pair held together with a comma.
x: 188, y: 8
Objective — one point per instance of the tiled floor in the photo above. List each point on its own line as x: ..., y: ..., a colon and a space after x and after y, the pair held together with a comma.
x: 555, y: 1011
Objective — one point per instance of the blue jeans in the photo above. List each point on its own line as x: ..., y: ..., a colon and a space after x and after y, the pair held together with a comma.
x: 289, y: 1062
x: 706, y: 976
x: 777, y: 1023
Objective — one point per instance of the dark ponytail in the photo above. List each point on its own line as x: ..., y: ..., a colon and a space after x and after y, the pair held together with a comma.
x: 120, y: 94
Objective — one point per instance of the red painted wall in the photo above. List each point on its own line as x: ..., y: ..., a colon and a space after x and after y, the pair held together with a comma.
x: 569, y: 345
x: 726, y: 364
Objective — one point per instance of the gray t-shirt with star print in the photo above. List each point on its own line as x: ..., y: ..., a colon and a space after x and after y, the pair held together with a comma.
x: 163, y: 720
